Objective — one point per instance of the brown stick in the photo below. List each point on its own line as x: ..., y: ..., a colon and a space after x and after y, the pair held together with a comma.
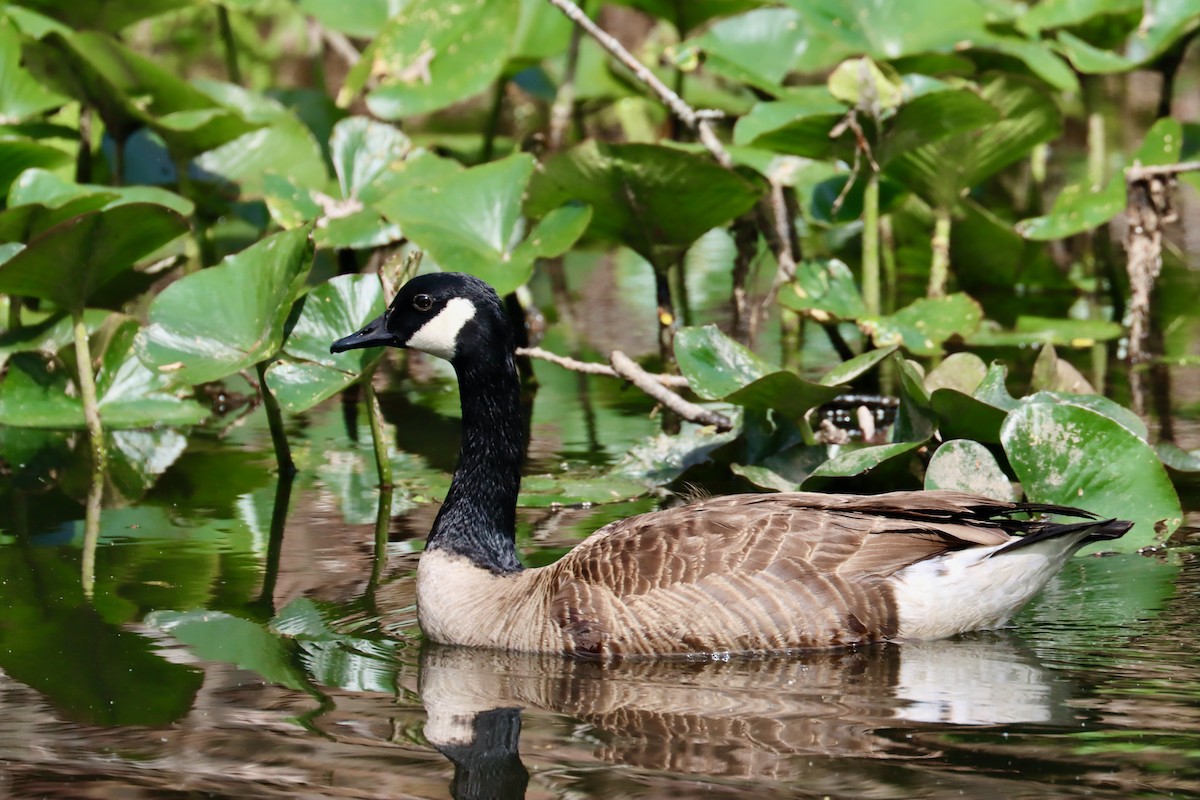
x: 624, y: 366
x: 594, y: 368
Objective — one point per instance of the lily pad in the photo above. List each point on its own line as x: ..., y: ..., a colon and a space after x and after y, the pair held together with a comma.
x: 471, y: 221
x: 960, y: 371
x: 308, y: 373
x: 217, y: 636
x: 925, y: 325
x: 757, y: 47
x: 967, y: 466
x: 21, y: 96
x: 229, y: 317
x: 853, y: 462
x: 786, y: 470
x: 72, y: 261
x: 824, y: 290
x: 961, y: 416
x: 654, y: 199
x: 544, y: 492
x: 714, y: 364
x: 1043, y: 330
x: 1071, y: 455
x: 433, y: 54
x: 1178, y: 459
x: 915, y: 420
x: 854, y: 367
x: 1051, y: 373
x: 18, y: 155
x: 785, y: 392
x: 661, y: 459
x: 1099, y: 404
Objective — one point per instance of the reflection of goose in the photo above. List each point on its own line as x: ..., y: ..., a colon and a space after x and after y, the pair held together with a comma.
x: 740, y: 718
x: 749, y: 573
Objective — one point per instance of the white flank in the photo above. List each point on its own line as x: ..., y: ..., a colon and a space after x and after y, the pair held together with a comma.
x: 439, y: 336
x: 967, y: 591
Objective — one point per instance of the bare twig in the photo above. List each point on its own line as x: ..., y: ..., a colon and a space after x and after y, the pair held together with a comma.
x: 698, y: 120
x: 341, y: 45
x: 630, y: 371
x: 595, y: 368
x: 1139, y: 173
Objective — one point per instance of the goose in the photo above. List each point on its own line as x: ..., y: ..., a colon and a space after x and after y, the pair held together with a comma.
x: 745, y: 574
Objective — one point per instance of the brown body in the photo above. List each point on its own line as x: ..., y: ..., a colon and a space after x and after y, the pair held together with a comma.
x: 743, y: 573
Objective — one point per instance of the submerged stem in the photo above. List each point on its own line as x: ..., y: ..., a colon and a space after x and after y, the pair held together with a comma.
x: 87, y: 389
x: 91, y: 532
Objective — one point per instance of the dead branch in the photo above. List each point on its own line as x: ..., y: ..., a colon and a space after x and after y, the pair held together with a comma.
x: 625, y: 367
x: 594, y: 368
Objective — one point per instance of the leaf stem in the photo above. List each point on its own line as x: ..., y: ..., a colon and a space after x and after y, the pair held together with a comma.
x: 87, y: 389
x: 939, y: 267
x: 872, y: 296
x: 383, y: 464
x: 232, y: 70
x: 14, y: 313
x: 283, y: 452
x: 493, y: 121
x: 91, y: 532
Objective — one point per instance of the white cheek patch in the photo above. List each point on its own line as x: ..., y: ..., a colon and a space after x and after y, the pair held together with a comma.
x: 439, y: 336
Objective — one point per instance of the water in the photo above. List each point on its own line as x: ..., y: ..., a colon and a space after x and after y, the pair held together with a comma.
x: 245, y: 638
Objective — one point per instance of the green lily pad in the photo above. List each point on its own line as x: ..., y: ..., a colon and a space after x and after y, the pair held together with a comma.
x: 824, y: 290
x: 1099, y: 404
x: 1046, y: 331
x: 786, y: 470
x: 544, y: 492
x: 1178, y: 459
x: 47, y: 333
x: 109, y: 15
x: 469, y: 221
x: 926, y: 324
x: 358, y: 18
x: 33, y: 395
x: 853, y: 462
x: 661, y: 459
x: 757, y: 47
x: 1051, y: 373
x: 785, y: 392
x: 960, y: 371
x: 433, y: 54
x: 21, y: 96
x: 691, y: 15
x: 229, y: 317
x: 1071, y: 455
x: 915, y: 420
x: 656, y: 200
x: 129, y: 91
x: 39, y: 186
x: 72, y: 261
x: 308, y: 373
x: 854, y: 367
x: 961, y: 416
x: 967, y: 466
x: 714, y: 364
x: 18, y: 155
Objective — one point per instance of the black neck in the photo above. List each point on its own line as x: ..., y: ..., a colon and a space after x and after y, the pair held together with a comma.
x: 478, y: 518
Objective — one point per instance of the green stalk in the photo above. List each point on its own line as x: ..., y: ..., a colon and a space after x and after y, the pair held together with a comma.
x: 939, y: 268
x: 14, y: 312
x: 283, y: 453
x: 232, y: 70
x: 890, y: 273
x: 1097, y: 147
x: 383, y: 464
x: 87, y: 388
x: 383, y: 519
x: 493, y: 121
x: 872, y: 297
x: 91, y: 533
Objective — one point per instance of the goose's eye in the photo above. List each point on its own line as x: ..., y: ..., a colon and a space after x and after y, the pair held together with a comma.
x: 422, y: 302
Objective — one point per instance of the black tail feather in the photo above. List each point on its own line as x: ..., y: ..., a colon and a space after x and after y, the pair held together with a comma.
x: 1042, y: 530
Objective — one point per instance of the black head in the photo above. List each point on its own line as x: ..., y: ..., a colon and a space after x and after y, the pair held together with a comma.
x: 445, y: 314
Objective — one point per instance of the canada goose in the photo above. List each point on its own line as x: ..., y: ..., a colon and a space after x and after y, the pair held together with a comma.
x: 751, y: 573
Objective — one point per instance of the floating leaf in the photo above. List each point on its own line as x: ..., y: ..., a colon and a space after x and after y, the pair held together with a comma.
x: 757, y: 47
x: 786, y: 470
x: 72, y: 261
x: 433, y: 54
x: 967, y: 466
x: 358, y: 18
x: 1178, y: 459
x: 308, y: 373
x: 545, y: 492
x: 923, y: 326
x: 661, y: 459
x: 1098, y: 403
x: 785, y: 392
x: 229, y: 317
x: 1070, y: 455
x: 654, y: 199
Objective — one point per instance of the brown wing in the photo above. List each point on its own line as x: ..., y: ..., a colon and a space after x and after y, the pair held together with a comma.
x: 757, y: 572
